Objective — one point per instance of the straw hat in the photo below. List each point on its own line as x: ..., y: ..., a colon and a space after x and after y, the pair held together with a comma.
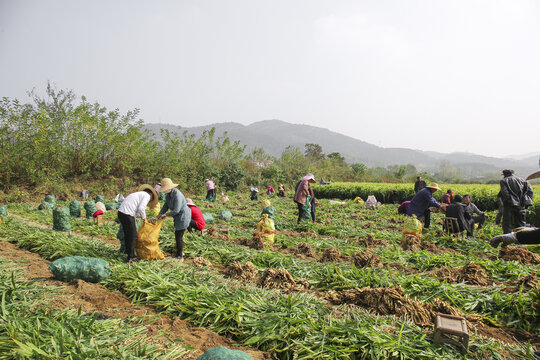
x: 535, y: 175
x: 167, y: 184
x: 155, y: 199
x: 434, y: 186
x: 190, y: 202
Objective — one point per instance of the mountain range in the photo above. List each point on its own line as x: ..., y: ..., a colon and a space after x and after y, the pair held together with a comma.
x: 275, y: 135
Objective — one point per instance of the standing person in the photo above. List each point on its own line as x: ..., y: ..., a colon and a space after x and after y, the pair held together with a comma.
x: 303, y: 191
x: 210, y: 189
x: 516, y: 195
x: 480, y: 217
x: 463, y: 215
x: 175, y: 203
x: 197, y: 219
x: 134, y: 205
x: 447, y: 197
x: 419, y: 184
x: 422, y: 201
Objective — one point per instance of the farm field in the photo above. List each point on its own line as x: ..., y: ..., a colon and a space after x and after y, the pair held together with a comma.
x: 344, y: 287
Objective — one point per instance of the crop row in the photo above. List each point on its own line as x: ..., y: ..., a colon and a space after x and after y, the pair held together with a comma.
x: 297, y: 325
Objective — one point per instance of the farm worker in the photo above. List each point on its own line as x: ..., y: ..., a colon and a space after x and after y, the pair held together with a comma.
x: 224, y: 197
x: 304, y: 194
x: 197, y: 220
x: 419, y: 184
x: 392, y: 197
x: 134, y: 205
x: 462, y: 213
x: 480, y: 217
x: 422, y: 201
x: 516, y: 195
x: 281, y: 191
x: 447, y: 197
x: 270, y: 190
x: 500, y: 209
x: 322, y: 182
x: 101, y: 206
x: 254, y: 193
x: 402, y: 208
x: 175, y: 203
x: 523, y: 237
x: 210, y: 189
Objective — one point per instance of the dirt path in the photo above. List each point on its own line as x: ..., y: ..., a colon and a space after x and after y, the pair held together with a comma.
x: 96, y: 298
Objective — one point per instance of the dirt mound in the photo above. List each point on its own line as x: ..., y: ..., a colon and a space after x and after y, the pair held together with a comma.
x: 244, y: 272
x: 366, y: 258
x: 529, y: 282
x: 470, y: 273
x: 392, y: 301
x: 368, y: 225
x: 281, y: 279
x: 221, y: 234
x: 522, y: 255
x: 305, y: 249
x: 200, y: 262
x: 331, y: 254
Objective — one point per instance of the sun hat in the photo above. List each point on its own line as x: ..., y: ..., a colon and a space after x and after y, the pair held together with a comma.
x: 434, y: 186
x: 309, y: 177
x: 190, y: 202
x: 167, y: 184
x: 153, y: 201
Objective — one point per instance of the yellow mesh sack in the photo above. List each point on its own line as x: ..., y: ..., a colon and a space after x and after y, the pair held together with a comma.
x: 412, y: 226
x: 267, y: 229
x: 155, y: 210
x: 147, y: 246
x: 358, y: 200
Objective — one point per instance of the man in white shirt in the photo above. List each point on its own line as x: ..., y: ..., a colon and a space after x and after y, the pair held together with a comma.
x: 134, y: 205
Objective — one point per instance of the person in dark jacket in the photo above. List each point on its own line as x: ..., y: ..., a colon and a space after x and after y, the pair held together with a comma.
x: 421, y: 203
x: 419, y: 184
x: 524, y: 237
x: 516, y: 195
x: 478, y: 216
x: 392, y: 197
x: 463, y: 215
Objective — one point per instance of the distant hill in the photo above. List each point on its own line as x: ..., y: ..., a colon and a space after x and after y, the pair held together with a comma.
x: 275, y: 135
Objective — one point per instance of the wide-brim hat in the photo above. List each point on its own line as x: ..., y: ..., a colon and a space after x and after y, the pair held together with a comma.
x: 190, y: 202
x: 167, y: 184
x: 309, y: 177
x: 155, y: 199
x: 434, y: 186
x: 535, y: 175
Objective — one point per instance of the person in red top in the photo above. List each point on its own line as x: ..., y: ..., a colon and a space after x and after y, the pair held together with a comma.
x: 197, y: 220
x: 447, y: 198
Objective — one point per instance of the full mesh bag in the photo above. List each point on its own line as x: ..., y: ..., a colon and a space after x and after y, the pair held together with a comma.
x: 208, y: 218
x: 90, y: 208
x: 147, y: 246
x: 80, y: 268
x: 61, y: 218
x: 3, y: 210
x: 50, y: 199
x: 225, y: 215
x: 100, y: 198
x: 110, y: 206
x: 412, y: 226
x: 75, y: 208
x: 223, y: 353
x: 267, y: 229
x: 44, y: 206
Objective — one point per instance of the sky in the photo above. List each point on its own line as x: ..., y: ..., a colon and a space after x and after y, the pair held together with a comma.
x: 447, y: 76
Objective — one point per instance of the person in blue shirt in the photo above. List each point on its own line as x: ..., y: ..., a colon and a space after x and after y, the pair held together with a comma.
x: 422, y: 201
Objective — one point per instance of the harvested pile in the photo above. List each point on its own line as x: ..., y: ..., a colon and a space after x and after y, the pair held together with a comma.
x: 529, y: 282
x: 519, y: 254
x: 281, y: 279
x: 256, y: 241
x: 244, y: 272
x: 366, y: 258
x: 470, y: 273
x: 371, y: 241
x: 220, y: 234
x: 331, y: 254
x: 392, y: 301
x: 305, y: 249
x: 200, y: 262
x: 413, y: 243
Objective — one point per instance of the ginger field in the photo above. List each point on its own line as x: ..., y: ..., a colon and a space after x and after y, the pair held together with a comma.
x: 345, y: 287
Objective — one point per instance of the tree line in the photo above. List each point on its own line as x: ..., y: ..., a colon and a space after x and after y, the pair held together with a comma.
x: 59, y: 138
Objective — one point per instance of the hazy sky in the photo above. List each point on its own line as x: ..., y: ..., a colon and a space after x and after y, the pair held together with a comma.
x: 431, y: 75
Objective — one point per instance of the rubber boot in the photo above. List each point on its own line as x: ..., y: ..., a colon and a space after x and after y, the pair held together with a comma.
x: 505, y: 239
